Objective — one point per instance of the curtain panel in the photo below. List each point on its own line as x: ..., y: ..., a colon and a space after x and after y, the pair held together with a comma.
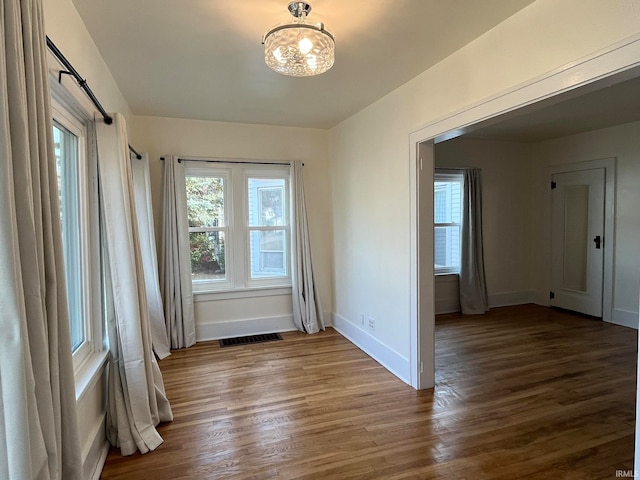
x: 136, y: 397
x: 473, y: 286
x: 144, y: 217
x: 38, y: 421
x: 175, y: 263
x: 307, y: 311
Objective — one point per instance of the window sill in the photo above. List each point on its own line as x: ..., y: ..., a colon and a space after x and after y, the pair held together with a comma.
x: 90, y: 372
x: 213, y: 295
x: 447, y: 278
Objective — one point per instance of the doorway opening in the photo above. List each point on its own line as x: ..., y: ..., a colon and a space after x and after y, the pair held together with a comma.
x: 552, y: 89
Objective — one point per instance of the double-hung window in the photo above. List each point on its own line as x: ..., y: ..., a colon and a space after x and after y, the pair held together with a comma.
x: 447, y: 191
x: 239, y: 225
x: 69, y: 136
x: 207, y: 208
x: 267, y: 226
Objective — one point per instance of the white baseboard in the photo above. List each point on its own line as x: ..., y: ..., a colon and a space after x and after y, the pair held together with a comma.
x: 388, y: 358
x: 250, y: 326
x: 625, y: 318
x: 96, y: 455
x: 507, y: 299
x: 447, y: 294
x: 242, y: 328
x: 541, y: 298
x: 97, y: 472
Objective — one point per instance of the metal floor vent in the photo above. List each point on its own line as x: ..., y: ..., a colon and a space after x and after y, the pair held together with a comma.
x: 265, y: 337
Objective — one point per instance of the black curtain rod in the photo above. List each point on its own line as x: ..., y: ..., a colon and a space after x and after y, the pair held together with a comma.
x: 180, y: 160
x: 133, y: 150
x: 82, y: 83
x: 456, y: 168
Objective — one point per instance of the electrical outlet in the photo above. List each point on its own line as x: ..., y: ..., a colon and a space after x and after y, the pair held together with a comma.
x: 371, y: 323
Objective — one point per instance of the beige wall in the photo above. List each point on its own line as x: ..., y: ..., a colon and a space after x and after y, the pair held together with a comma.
x: 370, y: 151
x: 506, y: 199
x: 65, y: 28
x: 359, y: 200
x: 196, y: 138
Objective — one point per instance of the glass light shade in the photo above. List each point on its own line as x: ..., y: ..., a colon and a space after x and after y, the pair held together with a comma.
x: 299, y: 49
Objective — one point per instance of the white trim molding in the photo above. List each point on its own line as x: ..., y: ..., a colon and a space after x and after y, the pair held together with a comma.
x: 96, y: 455
x: 507, y: 299
x: 388, y: 358
x: 212, y: 296
x: 242, y: 328
x: 618, y: 58
x: 624, y: 318
x: 250, y: 326
x: 502, y: 299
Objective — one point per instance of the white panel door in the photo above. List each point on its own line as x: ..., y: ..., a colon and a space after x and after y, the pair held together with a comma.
x: 577, y: 241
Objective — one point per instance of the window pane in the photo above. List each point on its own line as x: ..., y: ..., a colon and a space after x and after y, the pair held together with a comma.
x: 208, y: 257
x: 205, y: 201
x: 268, y: 251
x: 66, y: 151
x: 447, y: 202
x: 266, y: 202
x: 447, y: 248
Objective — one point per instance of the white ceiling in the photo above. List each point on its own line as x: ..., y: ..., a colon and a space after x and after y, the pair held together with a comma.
x: 203, y: 59
x: 612, y: 101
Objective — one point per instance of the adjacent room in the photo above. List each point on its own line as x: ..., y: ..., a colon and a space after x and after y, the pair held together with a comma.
x: 319, y: 240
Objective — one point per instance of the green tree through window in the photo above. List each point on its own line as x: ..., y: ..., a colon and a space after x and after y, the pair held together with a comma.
x: 205, y: 214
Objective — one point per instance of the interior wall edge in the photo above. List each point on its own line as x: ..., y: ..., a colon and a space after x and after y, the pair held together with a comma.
x: 388, y: 358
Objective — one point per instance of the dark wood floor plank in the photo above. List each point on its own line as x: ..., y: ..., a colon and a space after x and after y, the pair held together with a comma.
x: 523, y: 392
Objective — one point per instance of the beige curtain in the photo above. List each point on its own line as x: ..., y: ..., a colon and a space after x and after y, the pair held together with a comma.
x: 38, y: 426
x: 307, y: 312
x: 473, y: 286
x: 137, y: 401
x: 144, y: 218
x: 175, y: 260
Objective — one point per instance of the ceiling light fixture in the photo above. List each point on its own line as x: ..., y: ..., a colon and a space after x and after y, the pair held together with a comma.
x: 300, y: 48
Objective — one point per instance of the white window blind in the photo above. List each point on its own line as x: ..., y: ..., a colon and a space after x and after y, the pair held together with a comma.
x: 447, y: 222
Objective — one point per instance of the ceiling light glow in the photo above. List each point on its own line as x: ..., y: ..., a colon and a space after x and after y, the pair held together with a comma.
x: 299, y: 48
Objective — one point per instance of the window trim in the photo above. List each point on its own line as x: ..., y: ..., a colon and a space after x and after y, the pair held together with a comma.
x: 201, y: 171
x: 445, y: 175
x: 270, y: 172
x: 237, y: 244
x: 89, y: 358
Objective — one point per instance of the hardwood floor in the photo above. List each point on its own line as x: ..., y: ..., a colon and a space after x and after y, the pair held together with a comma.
x: 522, y: 393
